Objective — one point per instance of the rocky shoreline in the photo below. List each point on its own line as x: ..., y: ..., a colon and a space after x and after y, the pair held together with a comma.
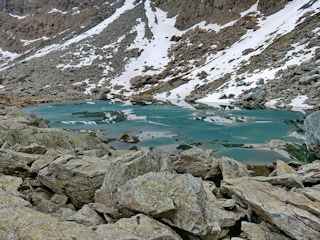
x: 58, y: 184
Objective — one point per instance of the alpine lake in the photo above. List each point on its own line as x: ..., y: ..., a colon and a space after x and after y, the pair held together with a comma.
x: 244, y: 135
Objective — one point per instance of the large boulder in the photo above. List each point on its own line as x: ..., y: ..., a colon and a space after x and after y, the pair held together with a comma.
x: 15, y: 163
x: 232, y: 169
x: 205, y: 164
x: 290, y: 212
x: 31, y: 149
x: 198, y: 162
x: 283, y: 168
x: 313, y: 193
x: 129, y: 166
x: 182, y: 201
x: 253, y: 231
x: 288, y: 181
x: 25, y: 223
x: 310, y: 173
x: 76, y: 177
x: 312, y: 128
x: 9, y: 194
x: 18, y: 221
x: 86, y: 216
x: 10, y: 184
x: 139, y: 227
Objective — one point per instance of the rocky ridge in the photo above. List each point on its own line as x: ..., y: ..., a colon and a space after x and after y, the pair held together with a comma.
x: 68, y: 185
x: 213, y: 52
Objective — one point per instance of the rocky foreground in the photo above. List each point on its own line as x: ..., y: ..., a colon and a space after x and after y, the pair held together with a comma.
x: 56, y: 184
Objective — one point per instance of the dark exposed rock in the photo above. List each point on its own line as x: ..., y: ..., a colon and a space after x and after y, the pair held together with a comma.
x: 129, y: 139
x: 269, y: 7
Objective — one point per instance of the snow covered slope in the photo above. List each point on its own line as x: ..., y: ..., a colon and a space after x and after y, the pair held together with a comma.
x: 231, y: 59
x: 249, y: 53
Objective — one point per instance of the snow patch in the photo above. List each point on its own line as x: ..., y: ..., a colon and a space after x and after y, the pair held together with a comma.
x: 298, y: 104
x: 17, y: 16
x: 28, y: 42
x: 55, y: 10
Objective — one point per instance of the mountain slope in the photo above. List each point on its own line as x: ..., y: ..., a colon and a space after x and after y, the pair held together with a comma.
x: 220, y: 53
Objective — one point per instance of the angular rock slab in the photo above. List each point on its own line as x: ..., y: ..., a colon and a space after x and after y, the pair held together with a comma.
x: 10, y: 184
x: 25, y: 223
x: 283, y: 168
x: 232, y: 169
x: 9, y: 195
x: 18, y: 221
x: 310, y: 173
x: 292, y: 213
x: 203, y: 163
x: 312, y: 193
x: 124, y: 168
x: 15, y: 163
x: 182, y: 201
x: 76, y: 177
x: 198, y: 162
x: 139, y: 227
x: 86, y: 216
x: 252, y: 231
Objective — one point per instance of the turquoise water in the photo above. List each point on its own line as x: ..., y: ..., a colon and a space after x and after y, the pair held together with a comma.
x: 166, y: 126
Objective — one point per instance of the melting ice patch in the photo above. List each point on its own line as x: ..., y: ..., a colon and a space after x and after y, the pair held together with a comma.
x: 79, y: 122
x: 131, y: 116
x: 149, y: 135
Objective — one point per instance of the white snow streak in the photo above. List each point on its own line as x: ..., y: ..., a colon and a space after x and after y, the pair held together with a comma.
x: 155, y: 51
